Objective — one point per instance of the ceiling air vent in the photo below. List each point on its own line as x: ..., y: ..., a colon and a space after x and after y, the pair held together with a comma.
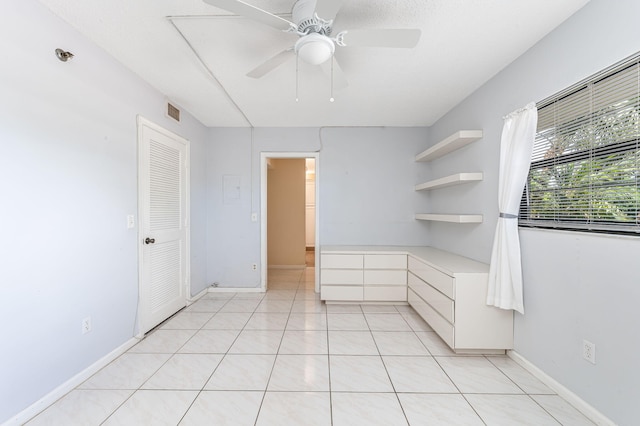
x: 173, y: 112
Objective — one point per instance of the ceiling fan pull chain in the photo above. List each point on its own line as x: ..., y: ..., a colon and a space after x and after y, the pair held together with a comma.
x: 297, y: 78
x: 332, y: 61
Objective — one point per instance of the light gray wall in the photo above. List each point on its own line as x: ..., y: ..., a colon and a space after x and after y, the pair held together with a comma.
x: 366, y: 178
x: 198, y: 136
x: 577, y: 286
x: 68, y: 179
x: 582, y: 286
x: 233, y: 241
x: 366, y: 188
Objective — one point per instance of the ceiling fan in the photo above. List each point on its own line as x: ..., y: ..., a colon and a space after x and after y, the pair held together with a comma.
x: 313, y: 24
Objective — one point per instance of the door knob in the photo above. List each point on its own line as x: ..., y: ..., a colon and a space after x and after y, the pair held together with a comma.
x: 149, y: 240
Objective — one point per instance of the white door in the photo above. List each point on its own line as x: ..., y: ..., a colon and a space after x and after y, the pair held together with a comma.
x: 163, y: 217
x: 310, y: 213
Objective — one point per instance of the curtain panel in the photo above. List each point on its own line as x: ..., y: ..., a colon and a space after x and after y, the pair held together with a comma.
x: 505, y: 288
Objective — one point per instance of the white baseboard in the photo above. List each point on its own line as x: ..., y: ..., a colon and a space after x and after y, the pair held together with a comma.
x: 47, y: 400
x: 191, y: 300
x: 578, y: 403
x: 236, y: 290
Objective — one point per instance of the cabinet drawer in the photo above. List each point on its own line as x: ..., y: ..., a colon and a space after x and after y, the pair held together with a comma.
x: 339, y: 293
x: 437, y: 300
x: 442, y: 282
x: 341, y: 276
x: 385, y: 294
x: 380, y: 277
x: 341, y: 261
x: 439, y: 324
x: 385, y: 261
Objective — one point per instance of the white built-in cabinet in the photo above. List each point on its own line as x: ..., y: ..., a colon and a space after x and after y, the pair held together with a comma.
x: 450, y: 144
x: 447, y: 290
x: 361, y: 274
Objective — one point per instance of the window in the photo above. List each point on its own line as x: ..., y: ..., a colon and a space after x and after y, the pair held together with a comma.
x: 585, y: 166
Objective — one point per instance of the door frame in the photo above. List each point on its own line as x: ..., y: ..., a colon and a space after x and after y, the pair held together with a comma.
x: 142, y: 193
x: 264, y: 157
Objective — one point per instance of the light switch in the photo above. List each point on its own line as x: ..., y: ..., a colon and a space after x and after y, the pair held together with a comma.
x: 131, y: 221
x: 254, y: 217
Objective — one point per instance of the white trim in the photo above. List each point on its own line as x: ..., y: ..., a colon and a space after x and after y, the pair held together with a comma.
x: 526, y: 229
x: 578, y: 403
x: 187, y: 219
x: 264, y: 168
x: 264, y: 158
x: 139, y: 122
x: 192, y: 299
x: 66, y: 387
x: 235, y: 290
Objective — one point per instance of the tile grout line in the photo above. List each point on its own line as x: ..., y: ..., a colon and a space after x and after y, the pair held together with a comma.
x: 488, y: 358
x: 326, y: 322
x: 395, y: 392
x: 199, y: 392
x: 413, y: 332
x: 214, y: 370
x: 459, y: 391
x: 158, y: 327
x: 523, y: 390
x: 275, y: 359
x: 227, y: 353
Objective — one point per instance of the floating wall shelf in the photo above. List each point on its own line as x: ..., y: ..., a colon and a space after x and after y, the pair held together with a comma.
x: 450, y: 144
x: 457, y: 179
x: 454, y: 218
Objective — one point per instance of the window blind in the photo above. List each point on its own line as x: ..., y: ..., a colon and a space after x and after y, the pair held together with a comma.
x: 585, y: 166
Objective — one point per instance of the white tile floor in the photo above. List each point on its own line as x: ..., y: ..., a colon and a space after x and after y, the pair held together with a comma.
x: 285, y: 358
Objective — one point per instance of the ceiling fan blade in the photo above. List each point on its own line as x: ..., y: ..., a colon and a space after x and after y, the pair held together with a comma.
x: 381, y: 38
x: 339, y: 78
x: 271, y: 64
x: 248, y: 11
x: 328, y: 9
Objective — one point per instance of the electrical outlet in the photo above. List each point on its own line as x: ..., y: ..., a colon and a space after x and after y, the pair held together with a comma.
x: 86, y: 325
x: 254, y: 266
x: 589, y: 351
x: 131, y: 221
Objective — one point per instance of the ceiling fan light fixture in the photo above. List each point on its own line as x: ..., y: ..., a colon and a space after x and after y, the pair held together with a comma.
x: 315, y: 48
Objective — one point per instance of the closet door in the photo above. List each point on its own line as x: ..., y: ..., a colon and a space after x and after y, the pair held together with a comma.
x: 163, y: 188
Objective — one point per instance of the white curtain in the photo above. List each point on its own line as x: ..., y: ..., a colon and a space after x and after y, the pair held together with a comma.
x: 505, y: 271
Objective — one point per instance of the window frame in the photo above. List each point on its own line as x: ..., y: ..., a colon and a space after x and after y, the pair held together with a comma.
x: 552, y: 210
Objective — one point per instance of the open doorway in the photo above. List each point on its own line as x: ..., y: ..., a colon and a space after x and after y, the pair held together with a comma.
x: 289, y: 219
x: 286, y: 221
x: 310, y: 211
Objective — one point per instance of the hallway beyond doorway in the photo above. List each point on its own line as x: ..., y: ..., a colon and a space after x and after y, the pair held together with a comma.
x: 310, y: 258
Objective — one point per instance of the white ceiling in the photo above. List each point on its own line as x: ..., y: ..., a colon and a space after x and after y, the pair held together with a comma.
x: 198, y: 56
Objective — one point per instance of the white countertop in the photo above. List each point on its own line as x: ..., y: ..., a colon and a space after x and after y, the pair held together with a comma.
x: 447, y: 262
